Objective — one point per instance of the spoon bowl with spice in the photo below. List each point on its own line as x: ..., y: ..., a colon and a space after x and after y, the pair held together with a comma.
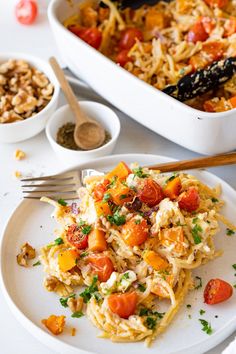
x: 61, y: 126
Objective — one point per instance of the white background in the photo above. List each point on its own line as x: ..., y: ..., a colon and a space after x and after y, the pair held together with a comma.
x: 38, y: 40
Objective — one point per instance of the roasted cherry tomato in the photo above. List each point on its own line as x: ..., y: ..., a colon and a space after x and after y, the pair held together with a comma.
x: 26, y: 11
x: 124, y: 305
x: 128, y: 38
x: 135, y: 232
x: 122, y: 57
x: 189, y: 200
x: 217, y: 3
x: 91, y: 35
x: 102, y: 266
x: 197, y: 33
x: 100, y: 190
x: 151, y: 193
x: 76, y: 238
x: 211, y: 51
x: 216, y: 291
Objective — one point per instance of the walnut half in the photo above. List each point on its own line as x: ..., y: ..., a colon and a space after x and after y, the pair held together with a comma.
x: 26, y: 252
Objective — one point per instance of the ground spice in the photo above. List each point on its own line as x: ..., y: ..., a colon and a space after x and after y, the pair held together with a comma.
x: 65, y: 137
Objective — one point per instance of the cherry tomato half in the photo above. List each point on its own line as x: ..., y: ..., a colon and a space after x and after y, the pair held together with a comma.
x: 123, y: 305
x: 76, y: 238
x: 128, y: 38
x: 102, y: 266
x: 189, y: 200
x: 91, y: 36
x: 216, y: 291
x: 26, y: 11
x: 151, y: 193
x: 197, y: 33
x: 122, y: 57
x: 217, y: 3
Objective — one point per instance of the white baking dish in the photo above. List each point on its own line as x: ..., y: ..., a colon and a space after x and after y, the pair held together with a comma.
x: 203, y: 132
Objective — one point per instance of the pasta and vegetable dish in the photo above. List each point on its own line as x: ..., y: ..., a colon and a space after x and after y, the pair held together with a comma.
x: 163, y: 43
x: 132, y: 239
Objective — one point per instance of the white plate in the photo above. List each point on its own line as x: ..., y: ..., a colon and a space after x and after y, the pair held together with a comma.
x: 30, y: 303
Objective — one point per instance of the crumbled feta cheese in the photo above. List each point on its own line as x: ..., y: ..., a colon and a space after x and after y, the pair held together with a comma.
x: 118, y: 282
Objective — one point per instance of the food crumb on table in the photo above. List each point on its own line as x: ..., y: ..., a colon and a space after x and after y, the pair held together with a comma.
x: 17, y: 174
x: 19, y: 154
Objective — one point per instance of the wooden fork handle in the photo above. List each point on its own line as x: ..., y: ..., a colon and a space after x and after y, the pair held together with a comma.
x: 201, y: 162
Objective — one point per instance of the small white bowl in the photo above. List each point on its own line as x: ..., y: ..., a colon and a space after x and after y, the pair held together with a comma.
x: 97, y: 111
x: 27, y: 128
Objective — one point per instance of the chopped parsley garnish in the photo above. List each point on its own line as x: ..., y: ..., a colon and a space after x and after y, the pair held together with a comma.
x: 90, y: 290
x: 116, y: 219
x: 58, y: 241
x: 106, y: 197
x: 170, y: 178
x: 198, y: 283
x: 62, y: 202
x: 81, y: 223
x: 195, y: 232
x: 206, y: 326
x: 202, y: 312
x: 151, y: 322
x: 83, y: 254
x: 139, y: 172
x: 188, y: 306
x: 229, y: 232
x: 86, y: 229
x: 125, y: 276
x: 97, y: 296
x: 152, y: 317
x: 234, y: 285
x: 77, y: 314
x: 124, y: 183
x: 63, y: 300
x: 137, y: 221
x: 182, y: 71
x: 36, y: 264
x: 141, y: 288
x: 214, y: 200
x: 113, y: 181
x: 234, y: 266
x: 189, y: 316
x: 123, y: 196
x: 195, y: 220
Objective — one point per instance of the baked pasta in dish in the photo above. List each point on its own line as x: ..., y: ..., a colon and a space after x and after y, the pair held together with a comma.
x: 163, y: 43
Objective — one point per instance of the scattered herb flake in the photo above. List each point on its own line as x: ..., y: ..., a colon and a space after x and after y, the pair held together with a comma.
x: 151, y: 322
x: 77, y: 314
x: 189, y: 316
x: 214, y: 200
x: 198, y: 283
x: 90, y: 290
x: 141, y: 288
x: 58, y: 241
x: 170, y: 178
x: 123, y: 196
x: 36, y: 264
x: 206, y: 326
x: 83, y: 254
x: 195, y: 232
x: 188, y: 306
x: 63, y: 300
x: 234, y: 266
x: 116, y: 219
x: 202, y: 312
x: 137, y: 221
x: 234, y: 285
x: 125, y: 276
x: 195, y: 220
x: 86, y: 229
x: 62, y: 202
x: 106, y: 197
x: 113, y: 181
x: 229, y: 232
x: 139, y: 172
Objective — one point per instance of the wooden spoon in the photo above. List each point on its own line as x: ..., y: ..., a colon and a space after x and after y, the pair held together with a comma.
x: 200, y: 162
x: 88, y: 134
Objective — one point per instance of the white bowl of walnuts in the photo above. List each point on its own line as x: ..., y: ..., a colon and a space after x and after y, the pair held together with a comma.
x: 28, y: 96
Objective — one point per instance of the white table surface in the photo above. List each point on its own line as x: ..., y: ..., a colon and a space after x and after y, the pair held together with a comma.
x: 134, y: 138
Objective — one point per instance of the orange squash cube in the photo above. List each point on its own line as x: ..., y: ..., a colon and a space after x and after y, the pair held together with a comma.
x: 121, y: 194
x: 97, y: 241
x: 155, y: 261
x: 55, y: 324
x: 121, y: 171
x: 173, y: 188
x: 175, y: 236
x: 67, y: 259
x: 102, y: 208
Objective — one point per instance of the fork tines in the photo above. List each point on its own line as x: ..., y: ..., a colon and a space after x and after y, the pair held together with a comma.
x: 61, y: 186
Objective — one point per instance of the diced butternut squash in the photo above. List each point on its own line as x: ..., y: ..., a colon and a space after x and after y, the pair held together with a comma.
x: 97, y: 241
x: 102, y: 208
x: 216, y: 105
x: 55, y: 324
x: 154, y: 19
x: 67, y: 259
x: 159, y: 289
x: 155, y: 261
x: 121, y: 194
x: 183, y: 6
x: 173, y: 237
x: 232, y: 101
x: 121, y: 171
x: 173, y: 188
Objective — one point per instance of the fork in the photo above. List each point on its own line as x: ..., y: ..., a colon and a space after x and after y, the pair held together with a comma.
x: 61, y: 186
x: 65, y: 185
